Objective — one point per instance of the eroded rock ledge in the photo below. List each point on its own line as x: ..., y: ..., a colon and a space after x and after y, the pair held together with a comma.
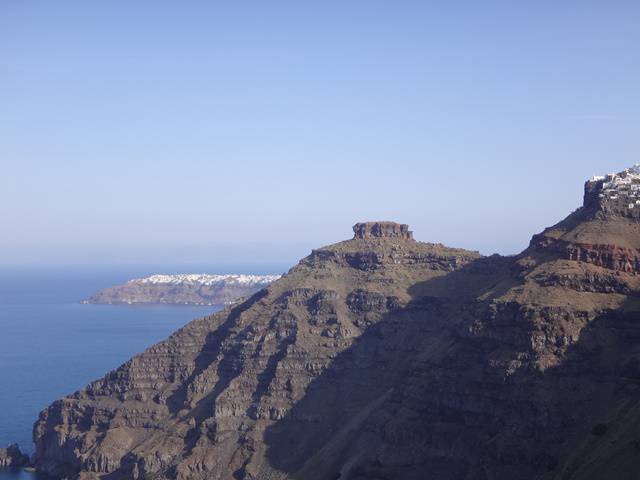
x: 603, y: 255
x: 607, y: 256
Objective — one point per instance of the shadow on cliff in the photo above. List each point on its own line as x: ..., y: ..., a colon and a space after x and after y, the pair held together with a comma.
x: 422, y: 380
x: 377, y: 363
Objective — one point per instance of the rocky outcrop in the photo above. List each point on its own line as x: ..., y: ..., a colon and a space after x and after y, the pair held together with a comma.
x: 383, y: 357
x: 192, y: 289
x: 382, y: 230
x: 13, y: 457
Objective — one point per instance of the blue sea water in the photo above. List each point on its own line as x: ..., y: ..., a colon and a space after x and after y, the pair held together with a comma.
x: 51, y: 345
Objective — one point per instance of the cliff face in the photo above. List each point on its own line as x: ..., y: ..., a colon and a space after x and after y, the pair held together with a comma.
x: 385, y: 358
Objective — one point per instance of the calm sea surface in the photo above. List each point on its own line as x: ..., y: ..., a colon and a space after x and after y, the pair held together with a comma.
x: 51, y: 345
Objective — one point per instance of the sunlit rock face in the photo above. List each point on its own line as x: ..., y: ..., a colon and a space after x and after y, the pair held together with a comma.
x: 382, y: 357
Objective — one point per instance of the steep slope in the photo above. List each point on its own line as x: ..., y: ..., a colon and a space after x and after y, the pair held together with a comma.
x: 386, y: 358
x: 198, y: 403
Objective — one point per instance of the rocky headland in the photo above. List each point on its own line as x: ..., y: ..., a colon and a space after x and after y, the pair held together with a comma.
x: 382, y: 357
x: 190, y: 289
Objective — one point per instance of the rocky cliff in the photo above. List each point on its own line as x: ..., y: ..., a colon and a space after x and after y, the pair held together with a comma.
x: 382, y: 357
x: 193, y: 289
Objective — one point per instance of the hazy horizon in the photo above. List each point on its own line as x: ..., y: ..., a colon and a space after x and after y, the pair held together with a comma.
x: 210, y: 133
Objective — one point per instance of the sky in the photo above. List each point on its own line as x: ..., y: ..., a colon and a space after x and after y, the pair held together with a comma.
x: 251, y: 131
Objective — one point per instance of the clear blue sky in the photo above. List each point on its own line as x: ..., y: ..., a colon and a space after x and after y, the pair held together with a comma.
x: 146, y: 131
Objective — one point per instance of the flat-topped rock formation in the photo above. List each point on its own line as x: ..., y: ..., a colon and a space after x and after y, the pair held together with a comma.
x: 193, y: 289
x: 382, y: 358
x: 382, y: 230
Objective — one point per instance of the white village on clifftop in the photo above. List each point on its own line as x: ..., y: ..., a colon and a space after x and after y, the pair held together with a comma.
x: 623, y: 185
x: 206, y: 279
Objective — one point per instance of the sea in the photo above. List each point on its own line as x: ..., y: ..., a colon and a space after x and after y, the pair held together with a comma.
x: 52, y: 345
